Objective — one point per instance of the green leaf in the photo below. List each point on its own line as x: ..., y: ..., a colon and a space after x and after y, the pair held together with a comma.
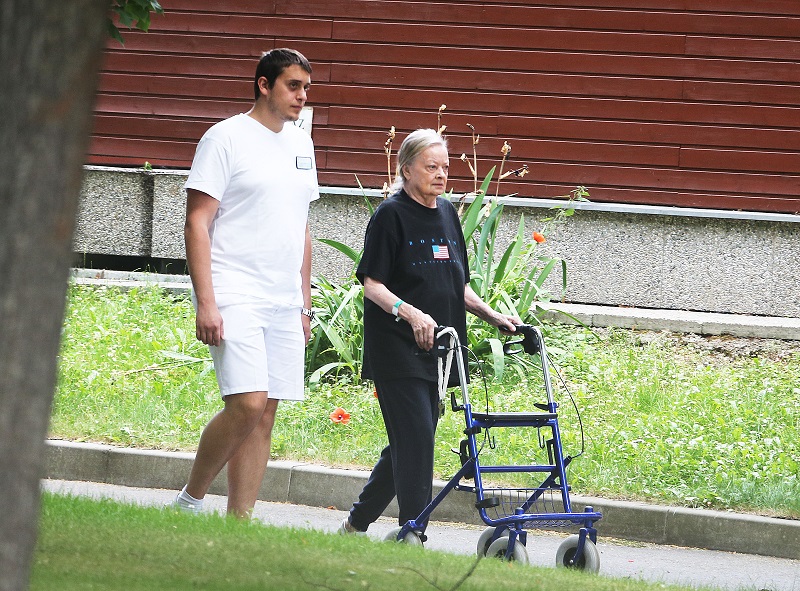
x: 180, y: 356
x: 336, y: 341
x: 132, y: 14
x: 511, y: 255
x: 498, y: 357
x: 370, y: 207
x: 113, y: 32
x: 343, y: 248
x: 471, y: 219
x: 484, y: 250
x: 314, y: 378
x: 545, y: 272
x: 487, y: 181
x: 487, y: 231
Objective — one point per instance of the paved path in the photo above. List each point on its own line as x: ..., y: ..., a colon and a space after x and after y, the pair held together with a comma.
x: 666, y: 564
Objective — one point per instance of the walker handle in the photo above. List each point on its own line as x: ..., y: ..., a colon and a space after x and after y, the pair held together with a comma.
x: 529, y: 342
x: 441, y: 344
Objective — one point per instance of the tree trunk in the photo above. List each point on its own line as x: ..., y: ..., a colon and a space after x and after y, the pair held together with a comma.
x: 49, y: 58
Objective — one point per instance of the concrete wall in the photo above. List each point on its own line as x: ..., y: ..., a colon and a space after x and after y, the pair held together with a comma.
x: 662, y: 260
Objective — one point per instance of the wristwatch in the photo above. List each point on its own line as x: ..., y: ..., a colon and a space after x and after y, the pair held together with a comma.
x: 307, y: 312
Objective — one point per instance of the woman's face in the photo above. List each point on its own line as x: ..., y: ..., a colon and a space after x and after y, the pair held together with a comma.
x: 426, y: 176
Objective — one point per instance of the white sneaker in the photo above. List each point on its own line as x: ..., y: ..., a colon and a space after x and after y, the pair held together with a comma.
x: 347, y: 529
x: 181, y: 503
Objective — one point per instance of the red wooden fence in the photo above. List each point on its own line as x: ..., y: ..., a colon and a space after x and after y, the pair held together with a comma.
x: 677, y: 102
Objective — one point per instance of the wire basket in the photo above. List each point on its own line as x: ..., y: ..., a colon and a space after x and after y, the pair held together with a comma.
x: 533, y: 501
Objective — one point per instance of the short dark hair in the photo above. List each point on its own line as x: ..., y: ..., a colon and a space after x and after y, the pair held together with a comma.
x: 274, y: 62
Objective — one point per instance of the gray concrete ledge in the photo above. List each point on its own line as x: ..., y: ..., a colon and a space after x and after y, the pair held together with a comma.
x: 313, y: 485
x: 129, y: 280
x: 705, y: 323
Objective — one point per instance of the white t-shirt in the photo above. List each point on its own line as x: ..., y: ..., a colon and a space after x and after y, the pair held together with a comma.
x: 264, y: 182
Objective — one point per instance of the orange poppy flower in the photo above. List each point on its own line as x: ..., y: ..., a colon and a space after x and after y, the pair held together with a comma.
x: 340, y: 415
x: 539, y: 237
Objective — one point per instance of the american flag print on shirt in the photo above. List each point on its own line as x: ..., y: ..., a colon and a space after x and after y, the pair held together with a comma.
x: 440, y: 252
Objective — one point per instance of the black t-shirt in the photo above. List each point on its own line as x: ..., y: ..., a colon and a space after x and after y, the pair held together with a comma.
x: 419, y: 254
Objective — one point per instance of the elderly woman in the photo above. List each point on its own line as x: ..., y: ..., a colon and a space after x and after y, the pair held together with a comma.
x: 416, y: 277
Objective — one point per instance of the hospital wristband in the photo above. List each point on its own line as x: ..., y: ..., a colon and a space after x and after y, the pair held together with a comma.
x: 396, y: 309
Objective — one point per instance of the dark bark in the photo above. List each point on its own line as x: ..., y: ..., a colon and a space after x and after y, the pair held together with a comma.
x: 49, y: 58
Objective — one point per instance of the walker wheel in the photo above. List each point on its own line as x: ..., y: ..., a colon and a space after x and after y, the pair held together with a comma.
x: 565, y: 557
x: 497, y: 549
x: 486, y: 539
x: 411, y: 538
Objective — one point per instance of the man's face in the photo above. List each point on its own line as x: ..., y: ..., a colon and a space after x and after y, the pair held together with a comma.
x: 287, y: 96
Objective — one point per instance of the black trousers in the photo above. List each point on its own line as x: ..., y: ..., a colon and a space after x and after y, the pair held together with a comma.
x: 410, y: 408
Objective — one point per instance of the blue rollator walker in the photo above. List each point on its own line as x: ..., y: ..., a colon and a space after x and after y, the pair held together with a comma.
x: 509, y: 512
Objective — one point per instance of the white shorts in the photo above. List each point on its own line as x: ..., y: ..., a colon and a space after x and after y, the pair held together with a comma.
x: 263, y: 350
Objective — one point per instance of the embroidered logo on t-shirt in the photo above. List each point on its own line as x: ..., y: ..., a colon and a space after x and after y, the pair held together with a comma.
x: 440, y: 251
x: 303, y: 163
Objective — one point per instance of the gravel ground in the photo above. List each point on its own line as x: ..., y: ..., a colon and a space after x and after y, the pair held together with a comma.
x: 722, y: 347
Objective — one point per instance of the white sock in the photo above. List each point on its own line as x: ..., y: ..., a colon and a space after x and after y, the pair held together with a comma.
x: 188, y: 500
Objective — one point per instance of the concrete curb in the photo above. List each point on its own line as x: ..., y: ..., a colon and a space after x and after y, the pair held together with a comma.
x: 319, y: 486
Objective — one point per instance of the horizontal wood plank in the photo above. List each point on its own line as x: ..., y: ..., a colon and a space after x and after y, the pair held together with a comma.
x: 765, y: 7
x: 565, y: 84
x: 771, y: 7
x: 508, y: 126
x: 566, y: 17
x: 551, y: 61
x: 170, y: 129
x: 567, y: 106
x: 257, y: 23
x: 140, y: 151
x: 523, y: 148
x: 741, y: 160
x: 422, y: 33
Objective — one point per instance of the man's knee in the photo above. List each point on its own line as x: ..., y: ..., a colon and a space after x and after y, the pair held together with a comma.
x: 248, y: 407
x: 267, y: 420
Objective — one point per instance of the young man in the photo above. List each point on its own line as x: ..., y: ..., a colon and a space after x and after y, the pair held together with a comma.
x: 248, y: 248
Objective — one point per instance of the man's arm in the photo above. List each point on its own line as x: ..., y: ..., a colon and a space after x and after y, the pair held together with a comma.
x: 482, y: 310
x: 200, y: 211
x: 305, y: 275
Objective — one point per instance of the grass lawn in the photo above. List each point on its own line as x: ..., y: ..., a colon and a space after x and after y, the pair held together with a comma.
x: 87, y: 544
x: 675, y: 419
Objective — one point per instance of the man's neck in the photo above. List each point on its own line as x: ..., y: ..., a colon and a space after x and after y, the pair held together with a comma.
x: 265, y: 117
